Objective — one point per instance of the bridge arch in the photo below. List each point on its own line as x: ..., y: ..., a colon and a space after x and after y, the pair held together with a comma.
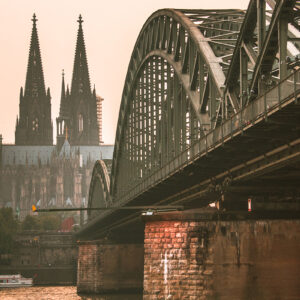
x: 99, y: 195
x: 173, y: 95
x: 178, y: 69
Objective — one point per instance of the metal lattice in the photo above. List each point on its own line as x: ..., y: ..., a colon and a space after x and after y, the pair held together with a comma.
x: 190, y: 80
x: 99, y: 195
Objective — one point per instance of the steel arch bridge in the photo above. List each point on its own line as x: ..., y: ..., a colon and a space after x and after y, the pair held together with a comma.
x: 202, y: 84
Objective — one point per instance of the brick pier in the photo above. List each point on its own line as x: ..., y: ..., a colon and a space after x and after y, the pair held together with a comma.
x: 221, y: 256
x: 199, y: 255
x: 106, y: 267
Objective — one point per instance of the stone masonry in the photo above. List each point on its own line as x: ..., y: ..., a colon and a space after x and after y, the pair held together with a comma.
x: 109, y: 268
x: 190, y: 258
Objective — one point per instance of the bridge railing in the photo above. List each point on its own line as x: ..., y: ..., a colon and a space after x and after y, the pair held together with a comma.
x: 263, y: 106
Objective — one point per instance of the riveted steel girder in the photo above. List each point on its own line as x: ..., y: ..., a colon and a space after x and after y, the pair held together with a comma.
x: 180, y: 120
x: 99, y: 195
x: 269, y: 45
x: 195, y: 47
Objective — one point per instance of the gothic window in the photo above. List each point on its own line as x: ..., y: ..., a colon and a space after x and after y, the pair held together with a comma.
x: 35, y: 124
x: 80, y: 122
x: 80, y: 88
x: 34, y: 90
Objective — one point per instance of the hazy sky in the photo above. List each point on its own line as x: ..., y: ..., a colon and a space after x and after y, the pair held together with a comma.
x: 110, y: 30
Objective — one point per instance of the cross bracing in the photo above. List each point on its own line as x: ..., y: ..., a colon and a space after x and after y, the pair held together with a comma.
x: 174, y: 87
x: 205, y: 84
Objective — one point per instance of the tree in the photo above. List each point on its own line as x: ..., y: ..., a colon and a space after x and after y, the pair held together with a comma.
x: 42, y: 222
x: 8, y: 228
x: 31, y: 223
x: 50, y: 222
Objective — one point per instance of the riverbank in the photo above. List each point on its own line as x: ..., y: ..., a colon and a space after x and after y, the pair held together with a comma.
x: 58, y: 293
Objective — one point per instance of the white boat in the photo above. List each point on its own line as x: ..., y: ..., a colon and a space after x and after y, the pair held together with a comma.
x: 11, y: 281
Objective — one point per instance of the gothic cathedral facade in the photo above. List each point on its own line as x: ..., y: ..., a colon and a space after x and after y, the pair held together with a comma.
x: 34, y: 171
x: 34, y: 125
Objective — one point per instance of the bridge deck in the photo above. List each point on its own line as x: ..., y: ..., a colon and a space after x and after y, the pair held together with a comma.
x: 260, y: 138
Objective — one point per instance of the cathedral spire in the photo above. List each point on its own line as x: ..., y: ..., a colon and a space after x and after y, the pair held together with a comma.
x: 63, y: 112
x: 35, y: 84
x: 63, y: 90
x: 34, y: 125
x: 62, y: 122
x: 82, y: 125
x: 80, y: 79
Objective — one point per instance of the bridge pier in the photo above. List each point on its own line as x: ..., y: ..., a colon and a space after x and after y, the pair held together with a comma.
x: 221, y: 256
x: 108, y: 267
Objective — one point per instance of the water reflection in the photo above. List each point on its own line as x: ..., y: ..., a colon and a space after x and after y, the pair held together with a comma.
x: 57, y: 293
x: 112, y: 297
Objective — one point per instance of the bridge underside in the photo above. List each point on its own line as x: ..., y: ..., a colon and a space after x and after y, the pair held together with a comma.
x: 260, y: 160
x: 209, y: 121
x: 209, y: 115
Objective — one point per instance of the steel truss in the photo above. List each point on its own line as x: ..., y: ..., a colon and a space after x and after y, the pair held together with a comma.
x: 99, y: 195
x: 173, y: 90
x: 191, y: 73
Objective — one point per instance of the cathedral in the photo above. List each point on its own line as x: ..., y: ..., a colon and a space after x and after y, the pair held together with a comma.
x: 33, y: 170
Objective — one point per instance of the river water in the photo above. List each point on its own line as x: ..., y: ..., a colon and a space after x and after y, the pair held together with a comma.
x: 56, y: 293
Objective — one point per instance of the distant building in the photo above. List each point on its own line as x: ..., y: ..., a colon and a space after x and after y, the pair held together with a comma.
x: 34, y: 171
x: 78, y: 108
x: 34, y: 125
x: 99, y: 117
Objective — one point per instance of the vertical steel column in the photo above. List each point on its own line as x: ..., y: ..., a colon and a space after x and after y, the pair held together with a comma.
x: 212, y: 102
x: 261, y: 32
x: 183, y: 119
x: 191, y: 59
x: 140, y: 126
x: 282, y: 40
x: 157, y: 115
x: 142, y: 123
x: 243, y: 77
x: 136, y: 132
x: 177, y: 113
x: 201, y: 77
x: 182, y: 43
x: 147, y: 131
x: 169, y: 136
x: 152, y: 111
x: 130, y: 140
x: 261, y: 22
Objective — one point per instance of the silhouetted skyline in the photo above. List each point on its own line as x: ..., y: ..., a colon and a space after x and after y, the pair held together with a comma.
x: 111, y: 29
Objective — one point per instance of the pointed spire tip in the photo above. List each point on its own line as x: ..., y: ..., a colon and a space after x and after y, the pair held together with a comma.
x: 34, y: 19
x: 80, y: 20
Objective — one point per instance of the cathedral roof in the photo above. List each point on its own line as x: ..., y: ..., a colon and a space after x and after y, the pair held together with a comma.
x: 31, y: 155
x: 65, y: 149
x: 22, y: 155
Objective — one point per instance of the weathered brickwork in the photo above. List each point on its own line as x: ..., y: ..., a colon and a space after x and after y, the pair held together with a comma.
x: 178, y: 260
x: 89, y: 271
x: 222, y: 259
x: 104, y: 267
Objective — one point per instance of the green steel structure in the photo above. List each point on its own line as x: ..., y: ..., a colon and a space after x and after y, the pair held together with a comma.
x: 209, y: 101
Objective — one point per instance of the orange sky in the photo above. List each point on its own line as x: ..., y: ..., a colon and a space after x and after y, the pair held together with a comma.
x: 110, y: 29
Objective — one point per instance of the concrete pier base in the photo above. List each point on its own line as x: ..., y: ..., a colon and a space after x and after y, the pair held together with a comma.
x: 219, y: 256
x: 105, y: 267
